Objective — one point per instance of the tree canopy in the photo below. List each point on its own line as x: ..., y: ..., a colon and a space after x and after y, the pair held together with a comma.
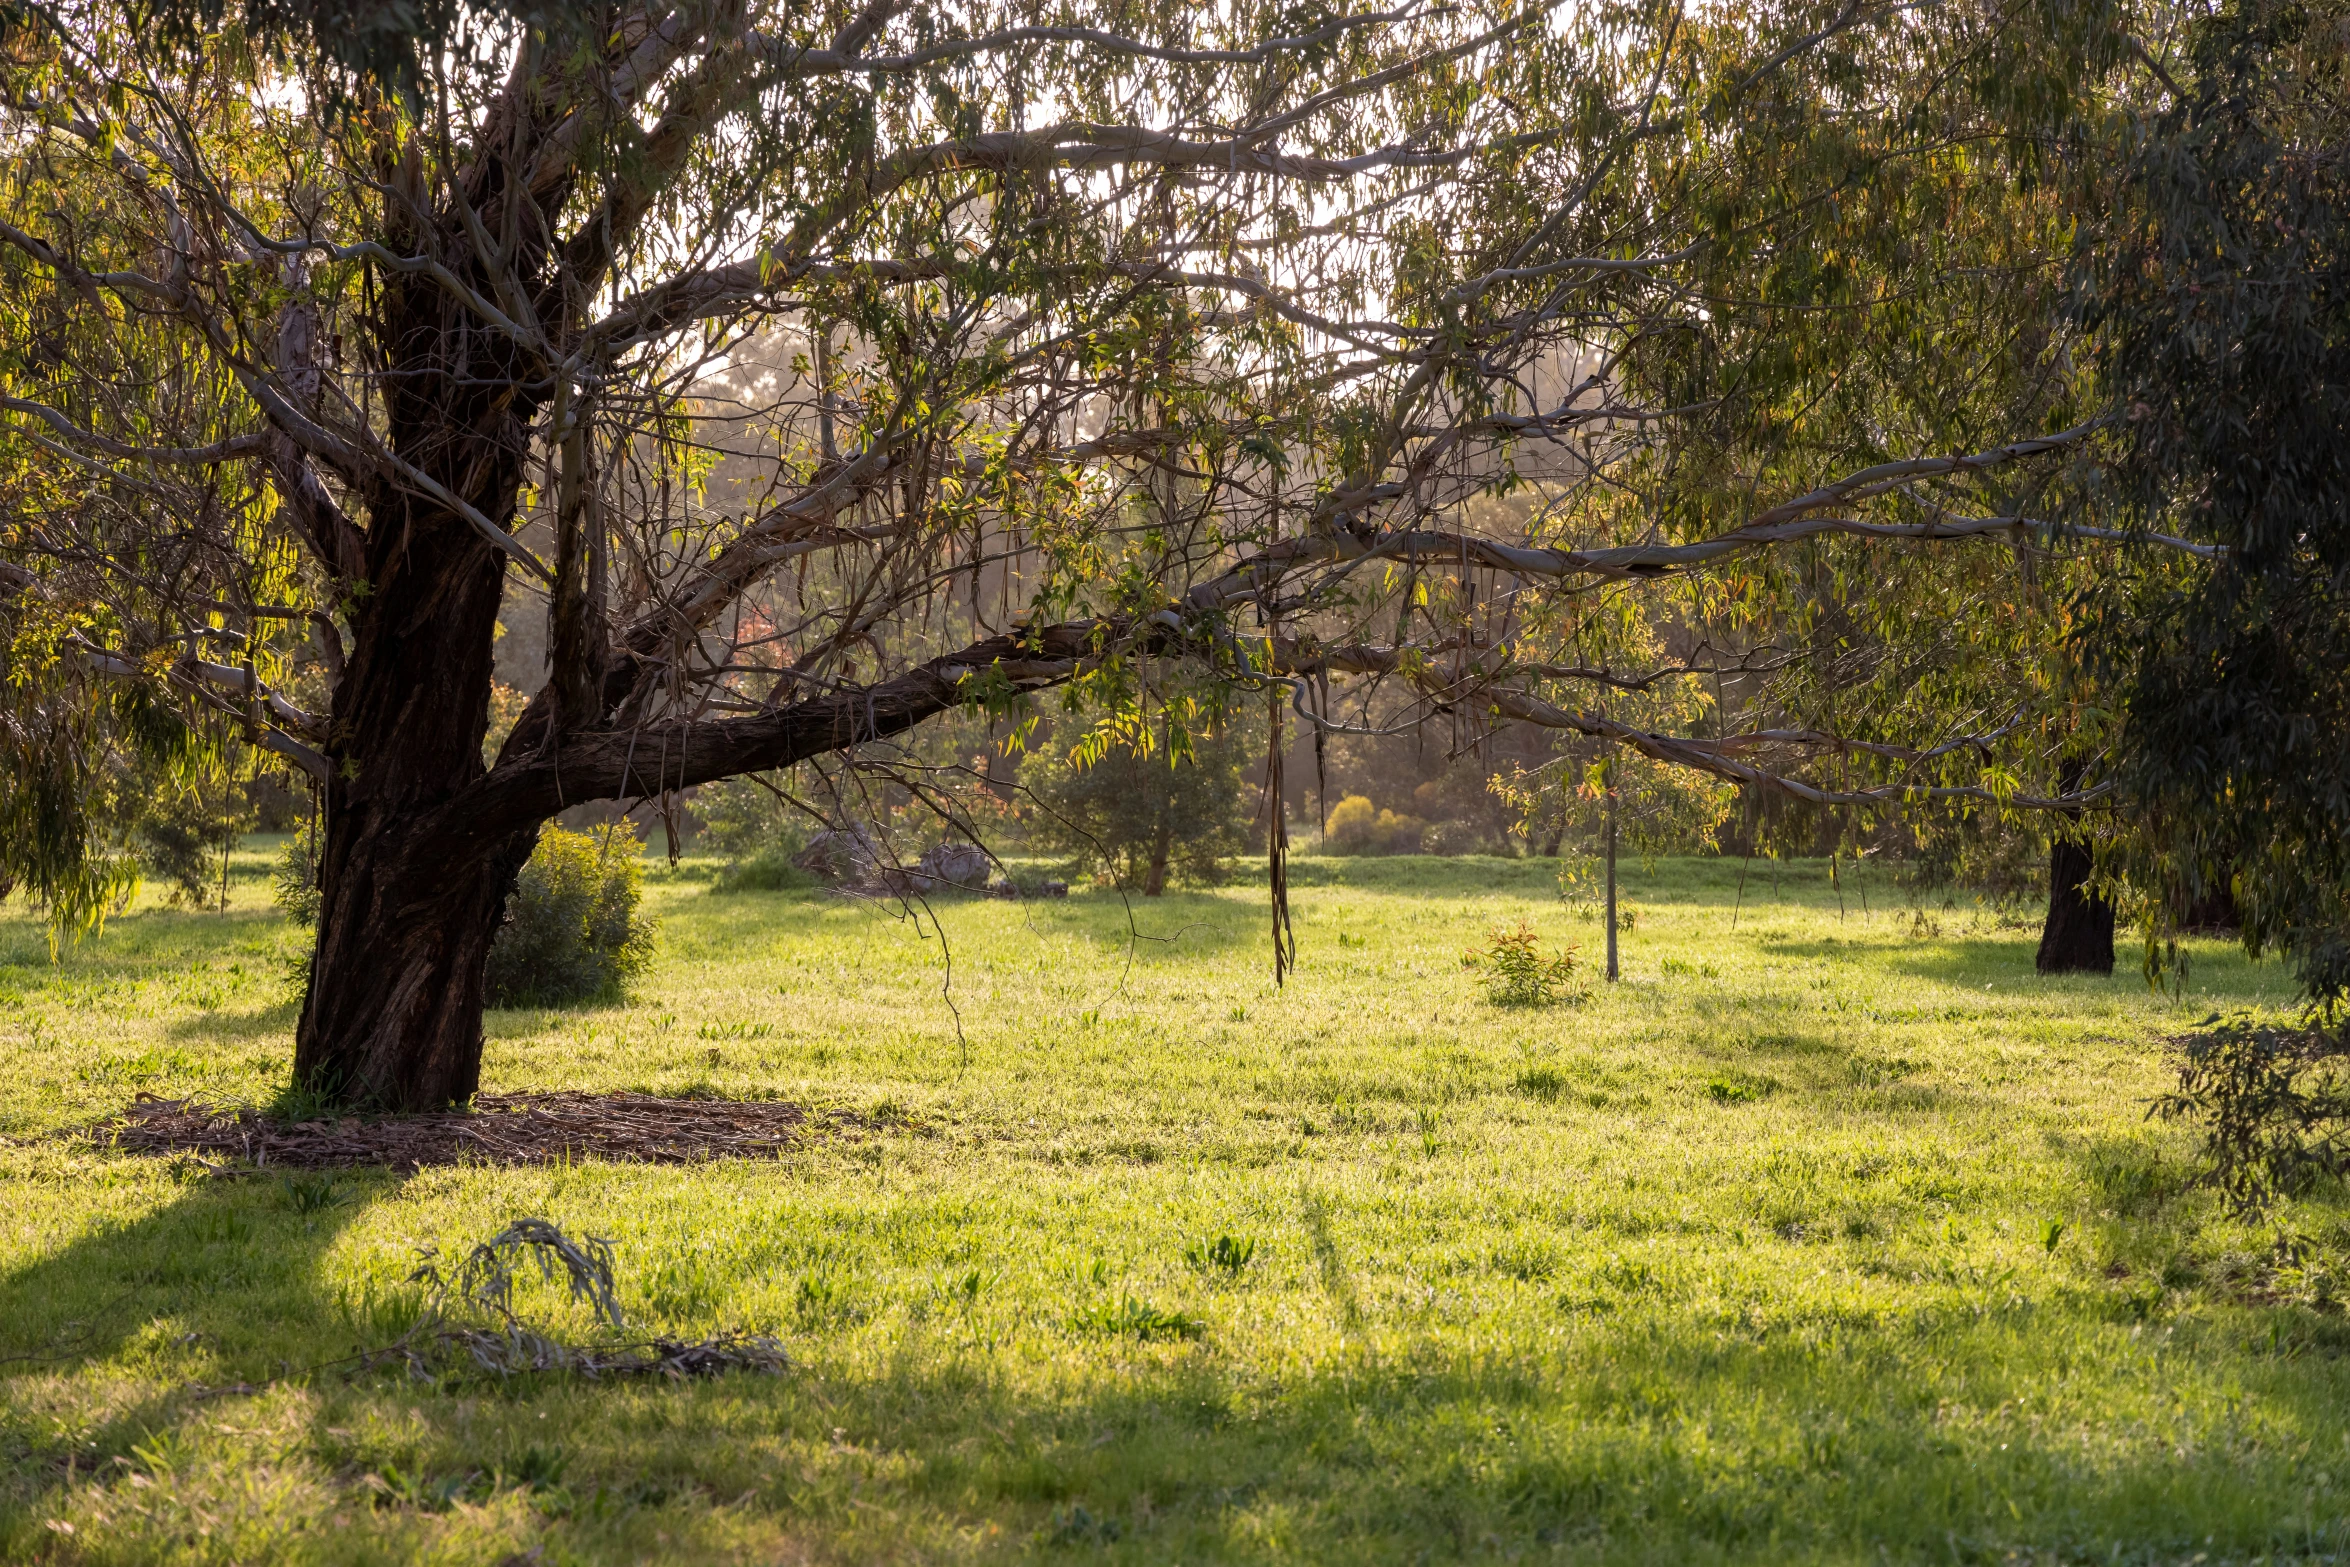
x: 819, y: 370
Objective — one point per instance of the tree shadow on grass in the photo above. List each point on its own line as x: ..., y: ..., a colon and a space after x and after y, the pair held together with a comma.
x: 276, y: 1018
x: 1637, y: 1428
x: 207, y: 1290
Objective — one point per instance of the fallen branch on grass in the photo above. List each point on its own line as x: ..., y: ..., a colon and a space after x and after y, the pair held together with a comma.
x: 469, y: 1315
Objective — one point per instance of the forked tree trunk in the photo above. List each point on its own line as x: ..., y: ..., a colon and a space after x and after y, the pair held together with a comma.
x: 409, y: 901
x: 393, y: 1015
x: 2078, y: 938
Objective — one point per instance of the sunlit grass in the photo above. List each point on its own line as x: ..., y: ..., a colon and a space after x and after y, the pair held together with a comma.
x: 1835, y: 1237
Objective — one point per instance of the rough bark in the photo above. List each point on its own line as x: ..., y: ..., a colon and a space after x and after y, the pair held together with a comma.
x: 392, y: 1018
x: 407, y: 913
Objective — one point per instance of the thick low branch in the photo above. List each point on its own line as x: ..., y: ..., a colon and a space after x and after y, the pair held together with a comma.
x: 648, y: 759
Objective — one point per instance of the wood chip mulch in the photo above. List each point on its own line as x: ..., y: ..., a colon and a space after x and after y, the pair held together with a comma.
x: 500, y: 1129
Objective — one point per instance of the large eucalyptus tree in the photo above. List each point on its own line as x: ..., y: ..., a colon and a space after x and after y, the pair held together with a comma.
x: 824, y: 368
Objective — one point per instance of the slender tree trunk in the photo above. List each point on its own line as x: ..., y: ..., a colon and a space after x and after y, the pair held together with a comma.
x: 1154, y: 881
x: 1611, y: 875
x: 2078, y: 938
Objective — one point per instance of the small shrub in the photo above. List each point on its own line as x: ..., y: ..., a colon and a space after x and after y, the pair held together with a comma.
x: 572, y: 930
x: 1350, y: 824
x: 1456, y: 838
x: 1356, y: 826
x: 294, y: 887
x: 769, y: 870
x: 1514, y: 971
x: 2274, y: 1104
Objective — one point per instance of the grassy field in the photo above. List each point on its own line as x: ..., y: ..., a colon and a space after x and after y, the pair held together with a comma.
x: 1836, y: 1237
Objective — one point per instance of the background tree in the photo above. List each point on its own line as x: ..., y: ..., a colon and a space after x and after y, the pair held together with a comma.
x: 2220, y: 302
x: 1138, y: 806
x: 814, y: 371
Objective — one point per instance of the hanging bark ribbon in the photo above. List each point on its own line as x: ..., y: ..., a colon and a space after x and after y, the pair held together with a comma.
x: 1277, y: 846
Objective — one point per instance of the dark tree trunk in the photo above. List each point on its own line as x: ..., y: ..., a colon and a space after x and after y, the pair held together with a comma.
x: 409, y: 906
x: 1154, y: 881
x: 408, y: 910
x: 2078, y: 938
x: 393, y: 1016
x: 2215, y: 912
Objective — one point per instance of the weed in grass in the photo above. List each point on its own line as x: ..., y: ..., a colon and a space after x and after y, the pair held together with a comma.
x: 1429, y: 1121
x: 1528, y: 1261
x: 737, y: 1029
x: 311, y: 1193
x: 1869, y: 1071
x: 1079, y: 1527
x: 2051, y: 1232
x: 1227, y: 1254
x: 1734, y: 1088
x: 1542, y: 1082
x: 1132, y: 1318
x: 960, y: 1291
x: 539, y: 1468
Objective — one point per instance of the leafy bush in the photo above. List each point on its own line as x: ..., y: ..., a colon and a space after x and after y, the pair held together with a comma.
x: 1514, y: 971
x: 1456, y: 837
x: 572, y: 931
x: 295, y: 885
x: 759, y: 835
x: 1136, y: 817
x: 1355, y: 826
x: 180, y: 839
x: 769, y: 870
x: 2274, y: 1104
x: 743, y: 820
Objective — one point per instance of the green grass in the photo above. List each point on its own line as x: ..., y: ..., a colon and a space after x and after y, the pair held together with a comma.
x: 1831, y: 1239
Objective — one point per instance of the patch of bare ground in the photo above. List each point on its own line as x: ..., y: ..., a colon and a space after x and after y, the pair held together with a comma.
x: 530, y: 1128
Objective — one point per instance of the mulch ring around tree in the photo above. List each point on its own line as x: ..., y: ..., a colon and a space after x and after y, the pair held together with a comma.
x: 546, y: 1128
